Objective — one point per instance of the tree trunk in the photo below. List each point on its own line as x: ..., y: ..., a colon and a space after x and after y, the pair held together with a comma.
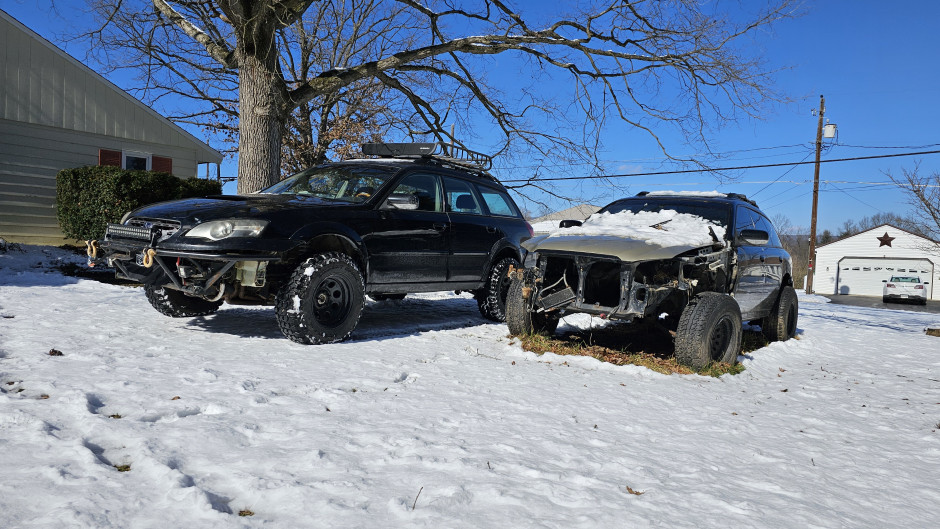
x: 261, y: 122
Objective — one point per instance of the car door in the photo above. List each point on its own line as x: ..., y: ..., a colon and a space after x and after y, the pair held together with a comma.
x: 410, y: 243
x: 473, y: 233
x: 751, y: 288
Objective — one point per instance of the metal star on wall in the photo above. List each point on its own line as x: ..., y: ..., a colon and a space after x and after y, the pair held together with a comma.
x: 885, y: 240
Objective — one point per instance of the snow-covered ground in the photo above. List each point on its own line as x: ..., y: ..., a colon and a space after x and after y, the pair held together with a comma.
x: 431, y: 417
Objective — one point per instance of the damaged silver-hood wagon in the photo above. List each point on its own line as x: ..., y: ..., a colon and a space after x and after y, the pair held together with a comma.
x: 711, y: 261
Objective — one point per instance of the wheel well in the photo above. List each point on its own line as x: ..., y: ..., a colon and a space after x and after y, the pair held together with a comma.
x: 787, y: 280
x: 504, y: 253
x: 332, y: 243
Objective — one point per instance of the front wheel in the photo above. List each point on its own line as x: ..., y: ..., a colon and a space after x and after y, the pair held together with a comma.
x: 780, y: 324
x: 520, y: 319
x: 322, y: 301
x: 175, y: 304
x: 492, y: 298
x: 709, y: 331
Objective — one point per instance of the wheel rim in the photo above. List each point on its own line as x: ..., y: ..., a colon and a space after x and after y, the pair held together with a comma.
x: 720, y: 339
x: 331, y: 301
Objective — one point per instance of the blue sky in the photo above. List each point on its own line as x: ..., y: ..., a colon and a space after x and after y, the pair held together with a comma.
x: 873, y: 60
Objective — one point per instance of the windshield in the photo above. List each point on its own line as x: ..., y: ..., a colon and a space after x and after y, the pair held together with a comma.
x: 348, y: 183
x: 716, y: 212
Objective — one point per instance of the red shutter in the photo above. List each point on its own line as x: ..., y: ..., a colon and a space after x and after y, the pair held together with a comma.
x: 106, y: 157
x: 162, y: 164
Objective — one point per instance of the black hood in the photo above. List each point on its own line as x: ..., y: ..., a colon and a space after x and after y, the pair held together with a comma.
x: 191, y: 211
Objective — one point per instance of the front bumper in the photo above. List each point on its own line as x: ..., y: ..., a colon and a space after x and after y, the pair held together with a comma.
x: 147, y: 255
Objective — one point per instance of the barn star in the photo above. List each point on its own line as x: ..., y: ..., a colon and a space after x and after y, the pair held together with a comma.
x: 885, y: 240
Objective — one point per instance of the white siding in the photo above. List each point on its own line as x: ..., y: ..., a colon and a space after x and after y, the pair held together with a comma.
x: 905, y: 248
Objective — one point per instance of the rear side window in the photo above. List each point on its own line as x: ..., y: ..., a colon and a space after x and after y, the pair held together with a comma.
x: 460, y: 197
x: 497, y: 202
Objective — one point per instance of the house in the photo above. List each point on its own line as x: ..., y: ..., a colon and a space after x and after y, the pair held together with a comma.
x: 861, y: 263
x: 56, y: 113
x: 549, y: 222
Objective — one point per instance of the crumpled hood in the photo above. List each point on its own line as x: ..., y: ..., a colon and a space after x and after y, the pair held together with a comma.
x: 259, y: 206
x: 623, y: 248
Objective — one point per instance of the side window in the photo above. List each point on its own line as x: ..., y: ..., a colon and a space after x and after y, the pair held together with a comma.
x: 764, y: 224
x: 460, y: 197
x: 497, y: 202
x: 426, y: 187
x: 745, y: 220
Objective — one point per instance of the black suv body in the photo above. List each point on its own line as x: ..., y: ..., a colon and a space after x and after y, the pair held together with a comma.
x: 701, y: 291
x: 430, y: 219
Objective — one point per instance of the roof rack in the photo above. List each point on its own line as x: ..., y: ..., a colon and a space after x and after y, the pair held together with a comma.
x: 446, y: 152
x: 733, y: 196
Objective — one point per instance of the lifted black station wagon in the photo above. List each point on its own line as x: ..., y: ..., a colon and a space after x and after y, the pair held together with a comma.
x: 702, y: 288
x: 416, y: 218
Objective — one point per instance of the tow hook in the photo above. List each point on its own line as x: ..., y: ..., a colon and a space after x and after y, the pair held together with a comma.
x: 91, y: 249
x: 148, y: 256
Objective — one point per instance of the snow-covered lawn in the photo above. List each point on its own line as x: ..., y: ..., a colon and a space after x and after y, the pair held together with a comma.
x: 431, y: 417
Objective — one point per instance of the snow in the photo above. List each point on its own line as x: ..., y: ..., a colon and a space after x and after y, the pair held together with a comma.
x: 666, y: 228
x: 430, y: 416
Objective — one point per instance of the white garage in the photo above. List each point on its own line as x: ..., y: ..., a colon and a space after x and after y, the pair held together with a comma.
x: 859, y: 265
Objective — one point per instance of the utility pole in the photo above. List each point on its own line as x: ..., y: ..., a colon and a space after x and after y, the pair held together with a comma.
x: 811, y: 265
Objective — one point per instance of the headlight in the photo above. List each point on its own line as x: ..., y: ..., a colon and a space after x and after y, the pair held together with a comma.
x: 125, y: 217
x: 531, y: 259
x: 221, y: 229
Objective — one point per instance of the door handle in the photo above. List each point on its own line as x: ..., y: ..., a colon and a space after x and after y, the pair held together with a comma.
x: 440, y: 227
x: 491, y: 229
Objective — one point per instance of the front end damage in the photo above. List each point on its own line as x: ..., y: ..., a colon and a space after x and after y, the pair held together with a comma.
x: 606, y: 286
x: 142, y: 251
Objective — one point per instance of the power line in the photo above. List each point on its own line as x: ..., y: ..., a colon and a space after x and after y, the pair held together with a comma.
x: 717, y: 169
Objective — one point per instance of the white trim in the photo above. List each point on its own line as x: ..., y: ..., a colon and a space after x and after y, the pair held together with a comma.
x: 136, y: 154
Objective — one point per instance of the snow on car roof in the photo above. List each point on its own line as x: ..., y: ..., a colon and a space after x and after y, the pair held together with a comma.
x: 664, y: 228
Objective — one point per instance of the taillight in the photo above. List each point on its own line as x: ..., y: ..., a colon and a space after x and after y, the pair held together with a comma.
x: 890, y: 285
x: 531, y: 231
x: 919, y: 287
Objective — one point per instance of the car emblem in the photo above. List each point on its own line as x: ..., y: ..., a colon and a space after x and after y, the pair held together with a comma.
x: 148, y: 225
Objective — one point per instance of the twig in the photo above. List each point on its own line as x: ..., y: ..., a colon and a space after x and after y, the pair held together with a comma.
x: 416, y: 499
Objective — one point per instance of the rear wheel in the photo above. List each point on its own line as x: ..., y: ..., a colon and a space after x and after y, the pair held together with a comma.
x: 322, y: 301
x: 709, y: 331
x: 492, y: 298
x: 780, y: 324
x: 520, y: 319
x: 175, y: 304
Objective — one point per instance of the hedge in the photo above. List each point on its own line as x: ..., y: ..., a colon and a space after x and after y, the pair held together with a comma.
x: 88, y: 198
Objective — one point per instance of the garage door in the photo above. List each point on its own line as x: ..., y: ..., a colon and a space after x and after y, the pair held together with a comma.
x: 864, y: 276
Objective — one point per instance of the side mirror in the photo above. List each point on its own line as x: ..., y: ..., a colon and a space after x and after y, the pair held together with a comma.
x: 754, y: 237
x: 569, y: 223
x: 405, y: 201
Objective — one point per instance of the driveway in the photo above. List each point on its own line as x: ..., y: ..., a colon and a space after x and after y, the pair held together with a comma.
x: 932, y: 306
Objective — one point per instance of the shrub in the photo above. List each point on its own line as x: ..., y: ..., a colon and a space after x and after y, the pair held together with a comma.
x: 88, y: 198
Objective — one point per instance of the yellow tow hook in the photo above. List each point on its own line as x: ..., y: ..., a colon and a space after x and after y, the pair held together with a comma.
x: 149, y: 254
x: 91, y: 248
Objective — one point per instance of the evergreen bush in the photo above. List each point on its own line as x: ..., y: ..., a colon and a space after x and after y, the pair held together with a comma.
x: 88, y: 198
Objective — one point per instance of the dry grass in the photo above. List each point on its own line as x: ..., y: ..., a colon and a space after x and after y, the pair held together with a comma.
x: 648, y: 346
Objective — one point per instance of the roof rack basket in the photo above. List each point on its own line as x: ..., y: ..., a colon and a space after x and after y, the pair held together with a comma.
x: 445, y: 152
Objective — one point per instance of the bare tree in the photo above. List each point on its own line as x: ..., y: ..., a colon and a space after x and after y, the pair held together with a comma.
x: 642, y: 62
x: 923, y: 195
x: 795, y: 241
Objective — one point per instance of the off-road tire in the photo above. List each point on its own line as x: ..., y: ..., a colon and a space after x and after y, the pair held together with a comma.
x: 520, y: 319
x: 709, y: 331
x: 491, y: 299
x: 384, y: 297
x: 780, y: 324
x: 322, y: 301
x: 175, y: 304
